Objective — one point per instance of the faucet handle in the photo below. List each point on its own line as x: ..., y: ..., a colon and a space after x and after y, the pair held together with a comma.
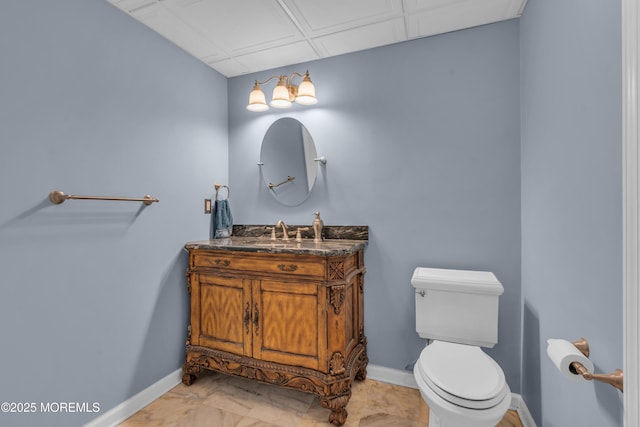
x: 273, y: 233
x: 299, y: 235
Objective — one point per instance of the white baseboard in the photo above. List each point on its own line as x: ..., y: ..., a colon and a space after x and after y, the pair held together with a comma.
x: 391, y: 376
x: 517, y: 404
x: 116, y: 415
x: 132, y: 405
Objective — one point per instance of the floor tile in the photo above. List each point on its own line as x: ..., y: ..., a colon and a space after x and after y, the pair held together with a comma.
x: 225, y: 401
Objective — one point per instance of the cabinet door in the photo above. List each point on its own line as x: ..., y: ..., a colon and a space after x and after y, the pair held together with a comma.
x: 224, y: 314
x: 289, y: 323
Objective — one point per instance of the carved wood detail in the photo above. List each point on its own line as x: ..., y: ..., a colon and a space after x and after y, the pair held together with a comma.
x: 307, y: 380
x: 290, y: 267
x: 362, y: 339
x: 336, y: 365
x: 188, y: 342
x: 336, y: 270
x: 336, y: 297
x: 188, y: 275
x: 190, y: 373
x: 363, y: 359
x: 337, y: 405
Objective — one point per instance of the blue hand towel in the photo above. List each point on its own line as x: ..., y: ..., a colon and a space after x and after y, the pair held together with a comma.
x: 221, y: 220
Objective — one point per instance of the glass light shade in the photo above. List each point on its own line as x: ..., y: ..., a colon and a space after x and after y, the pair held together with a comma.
x: 280, y: 98
x: 257, y: 101
x: 306, y: 92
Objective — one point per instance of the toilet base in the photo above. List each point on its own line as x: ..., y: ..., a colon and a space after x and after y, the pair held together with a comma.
x: 434, y: 420
x: 456, y: 421
x: 445, y: 414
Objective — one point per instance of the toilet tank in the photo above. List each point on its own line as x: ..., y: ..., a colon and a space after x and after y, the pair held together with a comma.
x: 458, y: 306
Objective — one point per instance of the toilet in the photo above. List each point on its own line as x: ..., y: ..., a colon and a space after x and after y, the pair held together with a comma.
x: 457, y: 312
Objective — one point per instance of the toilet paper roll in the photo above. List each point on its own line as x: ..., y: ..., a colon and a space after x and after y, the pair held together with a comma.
x: 562, y: 353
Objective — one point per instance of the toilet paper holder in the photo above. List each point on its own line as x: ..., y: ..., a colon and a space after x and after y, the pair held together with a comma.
x: 615, y: 378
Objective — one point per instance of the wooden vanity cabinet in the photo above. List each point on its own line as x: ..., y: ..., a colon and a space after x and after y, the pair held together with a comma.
x: 292, y: 320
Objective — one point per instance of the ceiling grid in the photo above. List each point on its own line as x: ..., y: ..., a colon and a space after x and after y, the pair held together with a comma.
x: 238, y: 37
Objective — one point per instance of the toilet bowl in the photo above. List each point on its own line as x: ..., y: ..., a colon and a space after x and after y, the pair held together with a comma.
x: 457, y: 311
x: 462, y: 386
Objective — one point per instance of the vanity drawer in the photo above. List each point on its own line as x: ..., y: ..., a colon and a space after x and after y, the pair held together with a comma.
x: 247, y: 262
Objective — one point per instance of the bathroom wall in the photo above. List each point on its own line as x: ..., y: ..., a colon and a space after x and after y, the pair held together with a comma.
x: 93, y: 299
x: 571, y: 204
x: 422, y: 142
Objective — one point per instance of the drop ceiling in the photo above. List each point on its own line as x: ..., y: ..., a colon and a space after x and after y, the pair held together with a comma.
x: 237, y: 37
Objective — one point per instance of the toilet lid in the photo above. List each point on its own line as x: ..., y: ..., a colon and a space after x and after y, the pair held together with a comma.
x: 462, y: 374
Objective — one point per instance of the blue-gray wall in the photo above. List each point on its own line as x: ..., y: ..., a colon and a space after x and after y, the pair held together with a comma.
x: 571, y: 203
x: 422, y: 141
x: 93, y: 300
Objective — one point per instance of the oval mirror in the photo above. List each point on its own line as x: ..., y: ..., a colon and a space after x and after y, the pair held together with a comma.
x: 288, y: 161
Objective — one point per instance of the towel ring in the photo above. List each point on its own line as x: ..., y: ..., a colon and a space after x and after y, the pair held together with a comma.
x: 218, y: 187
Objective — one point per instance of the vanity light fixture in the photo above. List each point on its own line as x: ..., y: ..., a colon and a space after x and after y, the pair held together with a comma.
x: 284, y: 93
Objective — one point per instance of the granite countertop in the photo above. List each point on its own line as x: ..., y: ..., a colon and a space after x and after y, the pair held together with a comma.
x: 338, y: 240
x: 329, y: 247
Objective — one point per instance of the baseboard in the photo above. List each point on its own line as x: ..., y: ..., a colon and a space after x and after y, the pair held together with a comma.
x: 116, y: 415
x: 517, y: 404
x: 391, y: 376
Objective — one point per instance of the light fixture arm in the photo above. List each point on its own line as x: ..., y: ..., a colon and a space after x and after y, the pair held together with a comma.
x: 292, y: 75
x: 269, y: 79
x: 288, y: 80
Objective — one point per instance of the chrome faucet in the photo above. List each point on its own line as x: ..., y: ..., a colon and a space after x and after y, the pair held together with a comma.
x: 285, y: 232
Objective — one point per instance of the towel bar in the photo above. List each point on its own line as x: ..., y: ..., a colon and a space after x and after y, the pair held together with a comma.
x: 57, y: 197
x: 289, y: 178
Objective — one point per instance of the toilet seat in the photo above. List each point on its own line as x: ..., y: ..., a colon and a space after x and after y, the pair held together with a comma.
x: 462, y: 375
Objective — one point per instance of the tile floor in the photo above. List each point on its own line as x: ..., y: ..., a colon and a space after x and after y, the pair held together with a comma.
x: 217, y: 400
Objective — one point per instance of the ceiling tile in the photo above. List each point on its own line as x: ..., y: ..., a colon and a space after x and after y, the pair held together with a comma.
x: 156, y: 17
x: 239, y: 26
x: 278, y: 56
x: 361, y: 38
x: 130, y: 6
x: 229, y: 67
x: 411, y: 6
x: 322, y: 17
x: 457, y: 15
x: 444, y: 16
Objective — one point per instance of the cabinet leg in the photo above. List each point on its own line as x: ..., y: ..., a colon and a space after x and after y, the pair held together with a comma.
x: 337, y: 405
x: 190, y: 373
x: 361, y: 375
x: 188, y: 379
